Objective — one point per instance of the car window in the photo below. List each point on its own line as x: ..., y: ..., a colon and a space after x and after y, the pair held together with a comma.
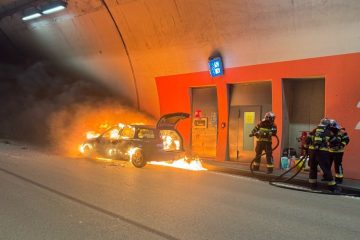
x: 112, y: 134
x: 146, y: 133
x: 128, y: 132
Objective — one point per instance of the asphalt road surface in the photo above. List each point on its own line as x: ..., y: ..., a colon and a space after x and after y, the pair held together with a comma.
x: 44, y: 196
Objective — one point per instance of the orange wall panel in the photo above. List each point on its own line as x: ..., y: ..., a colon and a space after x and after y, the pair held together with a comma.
x: 342, y: 93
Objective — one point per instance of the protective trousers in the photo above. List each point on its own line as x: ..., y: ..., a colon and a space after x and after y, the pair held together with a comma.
x: 321, y: 158
x: 336, y: 158
x: 260, y: 147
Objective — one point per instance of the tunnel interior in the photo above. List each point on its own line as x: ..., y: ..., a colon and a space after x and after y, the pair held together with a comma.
x: 99, y: 61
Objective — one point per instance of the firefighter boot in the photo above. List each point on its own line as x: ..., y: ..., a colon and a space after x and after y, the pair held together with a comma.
x: 269, y: 168
x: 312, y: 183
x: 256, y: 167
x: 333, y: 187
x: 338, y: 180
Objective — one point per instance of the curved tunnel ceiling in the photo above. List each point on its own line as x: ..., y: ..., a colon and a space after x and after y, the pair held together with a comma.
x: 125, y: 44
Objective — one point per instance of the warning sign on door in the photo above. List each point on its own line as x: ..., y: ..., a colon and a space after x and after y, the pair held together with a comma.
x: 249, y: 117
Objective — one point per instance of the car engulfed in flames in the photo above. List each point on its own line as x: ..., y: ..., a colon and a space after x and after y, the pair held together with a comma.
x: 141, y: 144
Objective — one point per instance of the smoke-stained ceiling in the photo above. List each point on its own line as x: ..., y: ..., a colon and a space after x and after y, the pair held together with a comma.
x: 125, y: 44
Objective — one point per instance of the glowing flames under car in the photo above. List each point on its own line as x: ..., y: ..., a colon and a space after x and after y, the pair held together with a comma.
x: 183, y: 163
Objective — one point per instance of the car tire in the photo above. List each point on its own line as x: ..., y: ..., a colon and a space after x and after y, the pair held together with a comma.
x: 87, y: 152
x: 138, y: 159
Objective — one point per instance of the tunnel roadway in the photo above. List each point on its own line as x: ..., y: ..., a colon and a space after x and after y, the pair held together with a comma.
x: 47, y: 196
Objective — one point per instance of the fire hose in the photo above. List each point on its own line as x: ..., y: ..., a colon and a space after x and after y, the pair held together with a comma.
x: 280, y: 181
x: 301, y: 161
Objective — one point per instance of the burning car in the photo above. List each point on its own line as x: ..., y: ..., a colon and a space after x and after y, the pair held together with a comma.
x: 138, y: 143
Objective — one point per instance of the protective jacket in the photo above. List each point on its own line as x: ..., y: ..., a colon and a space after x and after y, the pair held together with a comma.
x: 318, y: 139
x: 339, y: 141
x: 264, y: 130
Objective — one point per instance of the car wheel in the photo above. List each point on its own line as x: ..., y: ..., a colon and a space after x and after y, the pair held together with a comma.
x: 87, y: 151
x: 138, y: 159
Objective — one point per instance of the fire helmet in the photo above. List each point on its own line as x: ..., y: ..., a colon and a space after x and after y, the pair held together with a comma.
x: 269, y: 116
x: 333, y: 124
x: 325, y: 122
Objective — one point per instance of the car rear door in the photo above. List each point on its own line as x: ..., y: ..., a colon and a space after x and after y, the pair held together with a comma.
x: 169, y: 121
x: 172, y: 139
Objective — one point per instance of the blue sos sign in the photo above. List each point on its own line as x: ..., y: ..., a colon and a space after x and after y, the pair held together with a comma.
x: 216, y: 67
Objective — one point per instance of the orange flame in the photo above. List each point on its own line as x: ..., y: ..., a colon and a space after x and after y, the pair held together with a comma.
x: 114, y: 134
x: 104, y: 159
x: 169, y: 143
x: 83, y: 146
x: 91, y: 135
x: 183, y: 163
x: 131, y: 152
x: 104, y: 125
x: 67, y: 127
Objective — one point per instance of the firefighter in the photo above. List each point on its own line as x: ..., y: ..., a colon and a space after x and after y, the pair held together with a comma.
x: 336, y: 149
x: 318, y: 142
x: 263, y: 131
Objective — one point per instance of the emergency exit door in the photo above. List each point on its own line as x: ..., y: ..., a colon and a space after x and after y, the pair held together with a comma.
x: 243, y: 119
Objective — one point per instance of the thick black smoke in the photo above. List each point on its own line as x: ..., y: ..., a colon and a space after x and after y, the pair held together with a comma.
x: 43, y: 105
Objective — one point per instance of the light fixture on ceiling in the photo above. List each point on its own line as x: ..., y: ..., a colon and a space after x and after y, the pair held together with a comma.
x: 53, y: 6
x: 31, y: 13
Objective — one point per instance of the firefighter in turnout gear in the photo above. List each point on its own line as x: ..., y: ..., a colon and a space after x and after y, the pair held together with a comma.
x: 263, y: 131
x: 318, y: 149
x: 336, y: 149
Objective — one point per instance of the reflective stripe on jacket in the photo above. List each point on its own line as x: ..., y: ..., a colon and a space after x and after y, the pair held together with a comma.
x: 264, y: 131
x: 342, y: 139
x: 318, y: 139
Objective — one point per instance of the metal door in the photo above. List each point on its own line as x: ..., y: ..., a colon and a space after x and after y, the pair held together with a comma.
x: 242, y: 120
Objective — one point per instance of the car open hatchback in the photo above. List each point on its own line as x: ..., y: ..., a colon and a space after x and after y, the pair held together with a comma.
x: 139, y: 143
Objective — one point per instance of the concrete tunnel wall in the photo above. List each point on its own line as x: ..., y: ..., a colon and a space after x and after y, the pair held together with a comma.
x: 166, y: 37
